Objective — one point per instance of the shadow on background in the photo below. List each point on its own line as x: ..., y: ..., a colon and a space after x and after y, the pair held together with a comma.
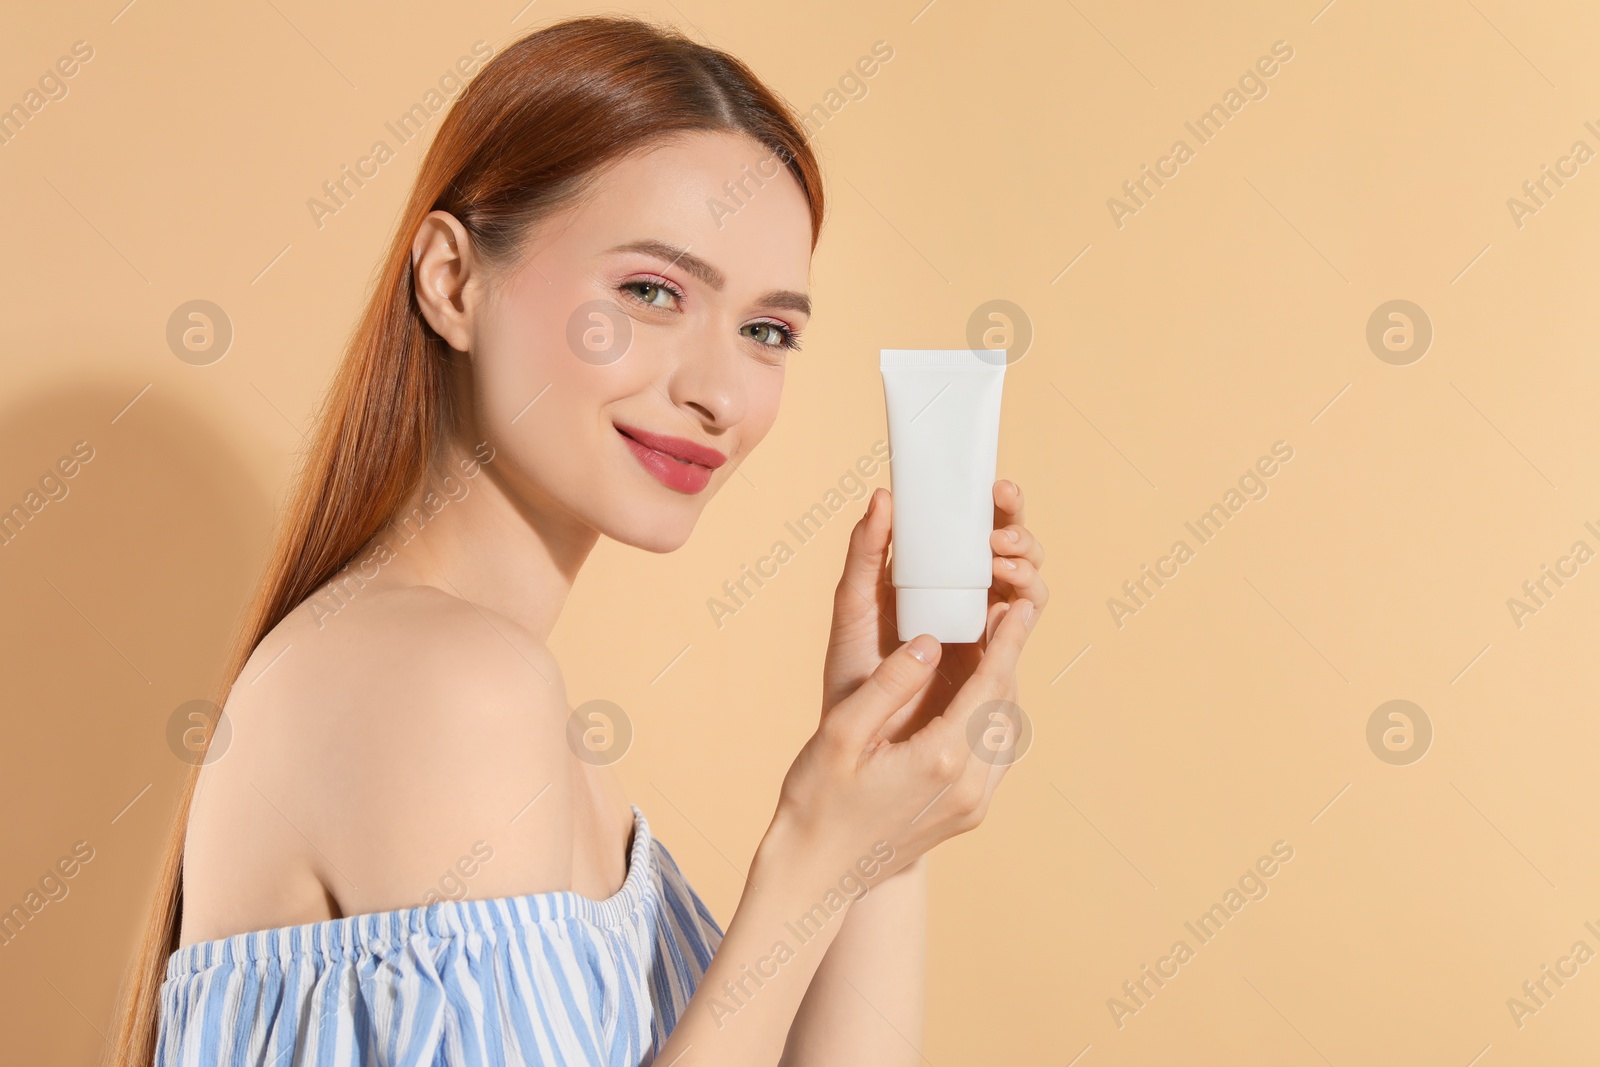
x: 122, y: 590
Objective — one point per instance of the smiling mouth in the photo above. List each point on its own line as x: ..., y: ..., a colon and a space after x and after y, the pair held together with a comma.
x: 668, y: 455
x: 676, y: 462
x: 680, y: 449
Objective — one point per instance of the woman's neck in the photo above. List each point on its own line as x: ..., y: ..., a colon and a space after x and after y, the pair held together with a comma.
x: 477, y: 530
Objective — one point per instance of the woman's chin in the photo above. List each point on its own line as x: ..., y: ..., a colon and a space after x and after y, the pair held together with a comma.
x: 659, y: 533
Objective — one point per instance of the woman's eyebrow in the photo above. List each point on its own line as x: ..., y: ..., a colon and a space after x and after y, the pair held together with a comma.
x: 786, y: 298
x: 699, y: 268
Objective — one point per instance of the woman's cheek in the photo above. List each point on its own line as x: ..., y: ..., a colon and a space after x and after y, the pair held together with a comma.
x: 768, y: 394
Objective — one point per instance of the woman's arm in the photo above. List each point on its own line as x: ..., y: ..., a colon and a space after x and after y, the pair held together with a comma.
x: 850, y: 814
x: 865, y: 1005
x: 781, y: 931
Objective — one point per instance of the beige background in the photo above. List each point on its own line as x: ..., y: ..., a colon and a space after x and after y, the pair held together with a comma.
x: 1227, y: 314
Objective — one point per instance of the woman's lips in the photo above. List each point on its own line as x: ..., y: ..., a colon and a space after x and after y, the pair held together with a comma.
x: 676, y: 462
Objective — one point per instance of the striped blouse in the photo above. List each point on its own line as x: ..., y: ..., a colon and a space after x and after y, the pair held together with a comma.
x: 547, y: 978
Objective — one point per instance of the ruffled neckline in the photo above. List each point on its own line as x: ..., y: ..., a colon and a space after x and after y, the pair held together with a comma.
x: 371, y: 932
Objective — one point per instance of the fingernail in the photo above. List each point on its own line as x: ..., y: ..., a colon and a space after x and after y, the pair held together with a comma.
x: 917, y: 652
x: 1013, y: 535
x: 1027, y: 612
x: 1010, y: 563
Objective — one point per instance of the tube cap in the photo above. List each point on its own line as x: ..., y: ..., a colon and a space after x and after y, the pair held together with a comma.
x: 953, y: 616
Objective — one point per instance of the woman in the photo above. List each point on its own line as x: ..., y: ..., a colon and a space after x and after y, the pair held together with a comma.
x: 564, y: 342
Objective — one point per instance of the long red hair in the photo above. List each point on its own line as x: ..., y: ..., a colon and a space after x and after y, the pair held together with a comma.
x: 519, y: 144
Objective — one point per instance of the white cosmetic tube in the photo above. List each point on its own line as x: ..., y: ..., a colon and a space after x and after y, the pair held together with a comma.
x: 944, y: 433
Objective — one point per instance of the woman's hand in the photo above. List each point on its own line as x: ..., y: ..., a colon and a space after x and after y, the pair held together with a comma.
x: 864, y: 632
x: 850, y: 789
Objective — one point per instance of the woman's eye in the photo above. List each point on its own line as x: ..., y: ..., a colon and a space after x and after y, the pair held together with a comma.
x: 770, y: 334
x: 651, y: 293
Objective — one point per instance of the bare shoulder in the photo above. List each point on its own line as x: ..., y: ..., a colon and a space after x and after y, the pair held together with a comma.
x: 376, y: 753
x: 426, y: 658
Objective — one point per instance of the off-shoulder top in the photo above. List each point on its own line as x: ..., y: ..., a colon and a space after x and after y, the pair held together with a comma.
x: 546, y: 978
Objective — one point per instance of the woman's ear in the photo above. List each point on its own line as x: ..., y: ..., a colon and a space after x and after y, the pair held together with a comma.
x: 446, y: 277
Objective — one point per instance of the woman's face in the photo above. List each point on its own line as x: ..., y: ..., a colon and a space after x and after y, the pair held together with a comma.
x: 633, y: 357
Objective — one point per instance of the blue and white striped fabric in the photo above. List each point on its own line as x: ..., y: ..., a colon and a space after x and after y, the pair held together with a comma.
x: 547, y: 978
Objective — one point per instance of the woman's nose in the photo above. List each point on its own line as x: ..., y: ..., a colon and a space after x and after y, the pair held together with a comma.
x: 707, y: 378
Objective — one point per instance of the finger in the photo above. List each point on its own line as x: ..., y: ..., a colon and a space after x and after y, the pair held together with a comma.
x: 997, y: 611
x: 991, y: 679
x: 991, y: 763
x: 861, y: 715
x: 864, y: 559
x: 1017, y: 540
x: 999, y: 662
x: 1007, y: 502
x: 1024, y: 580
